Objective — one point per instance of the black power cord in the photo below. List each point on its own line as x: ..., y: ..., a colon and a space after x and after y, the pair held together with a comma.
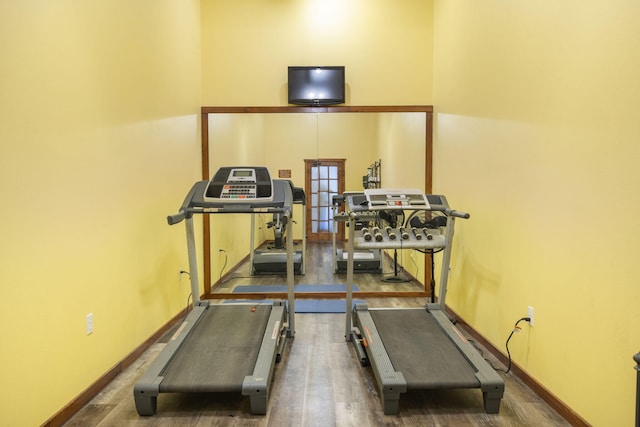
x: 516, y: 328
x: 186, y: 310
x: 224, y: 265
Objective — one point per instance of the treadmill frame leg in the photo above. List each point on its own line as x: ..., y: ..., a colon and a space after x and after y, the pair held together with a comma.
x: 259, y: 405
x: 147, y: 405
x: 492, y: 400
x: 391, y: 402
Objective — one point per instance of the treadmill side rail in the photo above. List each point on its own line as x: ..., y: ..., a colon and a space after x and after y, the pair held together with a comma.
x: 491, y: 384
x: 256, y: 386
x: 390, y: 382
x: 147, y: 388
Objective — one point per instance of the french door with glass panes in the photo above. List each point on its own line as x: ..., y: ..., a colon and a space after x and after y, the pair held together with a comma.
x: 324, y: 178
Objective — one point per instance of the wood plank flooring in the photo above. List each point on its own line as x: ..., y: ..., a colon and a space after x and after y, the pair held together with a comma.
x: 319, y: 382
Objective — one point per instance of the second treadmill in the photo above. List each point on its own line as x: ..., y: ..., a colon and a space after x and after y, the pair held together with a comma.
x: 274, y: 261
x: 416, y: 348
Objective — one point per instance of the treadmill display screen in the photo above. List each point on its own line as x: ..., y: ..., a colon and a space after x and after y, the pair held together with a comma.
x: 242, y: 184
x: 396, y: 198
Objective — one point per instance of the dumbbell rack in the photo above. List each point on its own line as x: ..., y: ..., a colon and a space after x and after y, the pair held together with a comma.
x: 398, y: 238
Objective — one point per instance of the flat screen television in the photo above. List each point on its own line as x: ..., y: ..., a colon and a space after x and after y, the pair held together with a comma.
x: 316, y: 85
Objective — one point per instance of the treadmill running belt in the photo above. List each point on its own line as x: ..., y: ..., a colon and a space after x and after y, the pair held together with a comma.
x: 419, y: 349
x: 220, y: 351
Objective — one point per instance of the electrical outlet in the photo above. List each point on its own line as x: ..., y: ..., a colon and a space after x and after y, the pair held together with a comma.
x: 89, y: 323
x: 530, y: 315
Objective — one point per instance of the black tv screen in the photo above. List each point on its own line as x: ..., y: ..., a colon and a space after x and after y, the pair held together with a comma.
x: 316, y: 85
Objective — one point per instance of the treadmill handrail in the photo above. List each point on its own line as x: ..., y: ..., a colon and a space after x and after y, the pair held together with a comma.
x: 457, y: 214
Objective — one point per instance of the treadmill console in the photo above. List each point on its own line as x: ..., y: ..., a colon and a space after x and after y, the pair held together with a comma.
x: 396, y: 198
x: 240, y: 184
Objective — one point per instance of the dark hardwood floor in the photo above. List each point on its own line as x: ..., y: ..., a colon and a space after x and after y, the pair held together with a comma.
x: 319, y: 381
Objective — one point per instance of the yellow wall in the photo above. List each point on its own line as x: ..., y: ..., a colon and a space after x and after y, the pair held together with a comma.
x: 400, y: 144
x: 537, y: 137
x: 386, y: 48
x: 98, y: 124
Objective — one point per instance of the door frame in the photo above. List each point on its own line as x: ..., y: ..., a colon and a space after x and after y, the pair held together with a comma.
x: 309, y: 163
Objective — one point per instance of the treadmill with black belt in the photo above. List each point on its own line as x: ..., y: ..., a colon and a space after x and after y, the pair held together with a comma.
x: 364, y: 260
x: 415, y: 348
x: 274, y: 260
x: 225, y: 347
